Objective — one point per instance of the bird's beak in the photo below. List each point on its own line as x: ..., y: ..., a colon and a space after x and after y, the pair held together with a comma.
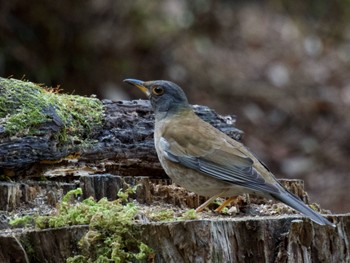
x: 139, y: 84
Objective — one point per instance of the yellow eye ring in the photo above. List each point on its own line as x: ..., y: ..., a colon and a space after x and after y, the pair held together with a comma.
x: 158, y: 90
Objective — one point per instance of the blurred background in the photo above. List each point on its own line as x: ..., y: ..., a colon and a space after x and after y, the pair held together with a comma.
x: 281, y: 66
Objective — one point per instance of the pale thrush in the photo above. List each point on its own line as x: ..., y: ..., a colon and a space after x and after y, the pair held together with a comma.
x: 202, y: 159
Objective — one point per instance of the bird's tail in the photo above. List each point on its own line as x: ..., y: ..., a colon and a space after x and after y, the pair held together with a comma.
x: 294, y: 202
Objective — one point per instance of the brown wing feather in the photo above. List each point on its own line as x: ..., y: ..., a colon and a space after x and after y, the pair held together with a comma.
x: 211, y: 152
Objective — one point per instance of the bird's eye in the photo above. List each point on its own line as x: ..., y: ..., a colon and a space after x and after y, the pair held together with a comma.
x: 158, y: 90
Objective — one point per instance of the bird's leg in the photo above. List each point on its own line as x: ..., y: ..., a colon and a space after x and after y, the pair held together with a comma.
x: 226, y: 203
x: 210, y: 200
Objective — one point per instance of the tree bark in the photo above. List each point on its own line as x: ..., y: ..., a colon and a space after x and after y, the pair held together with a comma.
x: 124, y: 141
x: 47, y: 194
x: 271, y: 239
x: 277, y: 239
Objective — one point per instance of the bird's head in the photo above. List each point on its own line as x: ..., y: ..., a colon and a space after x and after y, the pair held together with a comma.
x: 166, y: 97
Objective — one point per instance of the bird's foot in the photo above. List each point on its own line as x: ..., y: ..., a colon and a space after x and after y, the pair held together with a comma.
x: 225, y: 203
x: 208, y: 202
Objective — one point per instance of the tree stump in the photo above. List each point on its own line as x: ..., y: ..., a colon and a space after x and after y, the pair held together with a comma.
x: 265, y: 239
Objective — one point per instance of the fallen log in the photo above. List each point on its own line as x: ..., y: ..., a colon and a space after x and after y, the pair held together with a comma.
x: 68, y: 128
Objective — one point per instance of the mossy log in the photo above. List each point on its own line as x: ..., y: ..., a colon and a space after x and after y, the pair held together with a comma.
x: 40, y: 130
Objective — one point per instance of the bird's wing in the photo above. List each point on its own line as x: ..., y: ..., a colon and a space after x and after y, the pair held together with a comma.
x: 210, y: 153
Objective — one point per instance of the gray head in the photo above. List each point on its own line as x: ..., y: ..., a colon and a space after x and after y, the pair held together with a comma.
x: 166, y: 97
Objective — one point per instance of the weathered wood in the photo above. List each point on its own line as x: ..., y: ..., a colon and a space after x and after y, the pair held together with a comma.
x: 11, y: 250
x: 52, y: 245
x: 10, y: 195
x: 240, y: 238
x: 278, y: 239
x: 267, y: 239
x: 124, y: 142
x: 46, y: 194
x: 15, y: 195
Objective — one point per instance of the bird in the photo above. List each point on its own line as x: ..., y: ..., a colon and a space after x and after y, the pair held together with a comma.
x: 204, y: 160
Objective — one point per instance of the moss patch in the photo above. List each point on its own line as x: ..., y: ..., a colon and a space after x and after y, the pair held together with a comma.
x: 113, y: 234
x: 161, y: 215
x: 22, y: 221
x: 29, y: 109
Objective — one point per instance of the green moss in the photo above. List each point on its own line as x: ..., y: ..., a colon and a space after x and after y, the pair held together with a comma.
x: 113, y: 234
x: 22, y: 221
x: 162, y: 215
x: 25, y: 107
x: 189, y: 215
x: 4, y: 178
x: 169, y: 215
x: 224, y: 211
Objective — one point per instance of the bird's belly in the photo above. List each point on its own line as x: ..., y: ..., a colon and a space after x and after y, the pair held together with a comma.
x: 199, y: 183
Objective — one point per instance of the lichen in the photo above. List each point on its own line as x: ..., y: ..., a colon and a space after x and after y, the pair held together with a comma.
x: 26, y: 107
